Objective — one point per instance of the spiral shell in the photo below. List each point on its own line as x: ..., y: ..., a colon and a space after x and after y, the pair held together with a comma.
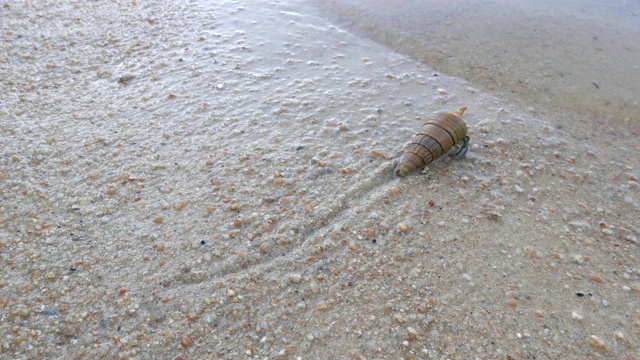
x: 440, y: 132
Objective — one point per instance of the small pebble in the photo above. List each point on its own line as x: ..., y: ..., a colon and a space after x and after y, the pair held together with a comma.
x: 49, y: 276
x: 185, y: 341
x: 394, y: 190
x: 596, y: 342
x: 156, y: 314
x: 576, y: 316
x: 411, y: 333
x: 607, y: 232
x: 595, y: 278
x: 529, y: 251
x: 50, y: 311
x: 494, y: 215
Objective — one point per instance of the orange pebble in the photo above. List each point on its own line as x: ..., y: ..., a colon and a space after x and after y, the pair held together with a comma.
x: 595, y: 278
x: 185, y: 341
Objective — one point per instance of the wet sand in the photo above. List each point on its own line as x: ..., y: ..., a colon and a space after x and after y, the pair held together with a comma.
x: 193, y: 180
x: 578, y: 58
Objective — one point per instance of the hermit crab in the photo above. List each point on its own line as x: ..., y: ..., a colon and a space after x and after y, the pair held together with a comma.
x: 441, y: 131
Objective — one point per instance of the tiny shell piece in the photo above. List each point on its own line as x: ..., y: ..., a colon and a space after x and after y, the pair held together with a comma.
x: 596, y: 342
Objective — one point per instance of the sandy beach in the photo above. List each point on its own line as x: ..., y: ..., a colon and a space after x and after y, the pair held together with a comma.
x: 215, y: 180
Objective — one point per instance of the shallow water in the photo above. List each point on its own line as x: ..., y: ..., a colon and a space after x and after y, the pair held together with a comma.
x: 579, y: 57
x: 215, y: 179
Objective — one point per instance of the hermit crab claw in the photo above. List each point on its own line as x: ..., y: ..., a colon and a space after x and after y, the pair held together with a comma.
x: 463, y: 149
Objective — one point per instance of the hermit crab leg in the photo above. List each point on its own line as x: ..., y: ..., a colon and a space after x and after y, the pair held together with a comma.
x: 463, y: 149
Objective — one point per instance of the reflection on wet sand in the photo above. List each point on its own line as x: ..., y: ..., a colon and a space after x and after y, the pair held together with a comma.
x: 573, y: 56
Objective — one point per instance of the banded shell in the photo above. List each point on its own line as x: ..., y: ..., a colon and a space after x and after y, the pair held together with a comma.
x: 441, y: 131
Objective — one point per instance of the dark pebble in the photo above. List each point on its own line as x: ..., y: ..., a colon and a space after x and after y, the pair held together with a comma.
x: 50, y: 310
